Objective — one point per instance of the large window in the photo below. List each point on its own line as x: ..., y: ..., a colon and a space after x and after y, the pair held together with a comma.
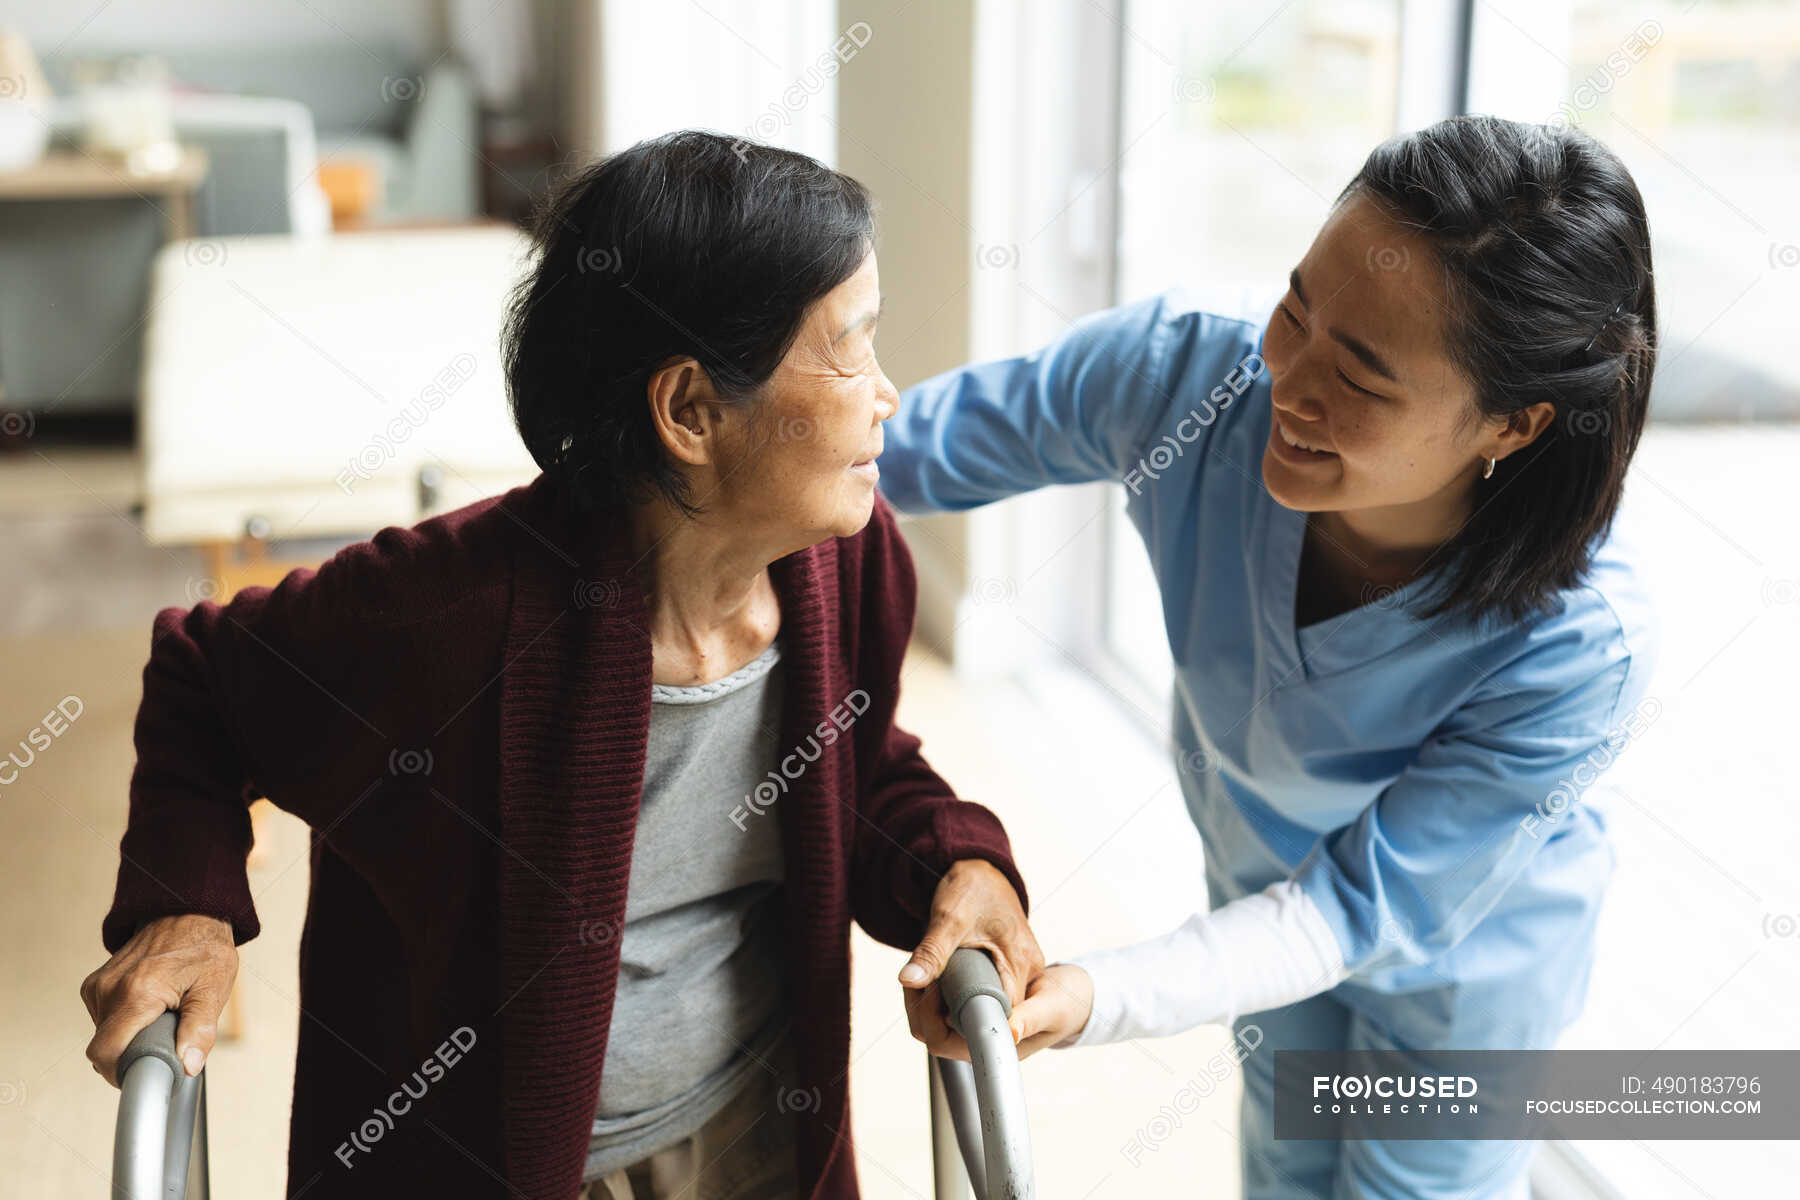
x: 1237, y: 125
x: 1702, y: 102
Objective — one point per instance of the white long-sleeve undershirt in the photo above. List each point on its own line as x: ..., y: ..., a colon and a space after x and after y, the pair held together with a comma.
x: 1266, y: 950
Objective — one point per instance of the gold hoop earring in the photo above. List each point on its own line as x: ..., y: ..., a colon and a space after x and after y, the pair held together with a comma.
x: 1488, y: 471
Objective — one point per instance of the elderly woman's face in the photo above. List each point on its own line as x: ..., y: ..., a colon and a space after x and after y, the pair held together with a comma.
x: 805, y: 461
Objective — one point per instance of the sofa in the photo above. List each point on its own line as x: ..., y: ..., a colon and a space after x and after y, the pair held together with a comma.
x: 72, y: 307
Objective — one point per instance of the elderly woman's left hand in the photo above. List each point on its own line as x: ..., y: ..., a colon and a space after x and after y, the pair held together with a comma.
x: 974, y: 905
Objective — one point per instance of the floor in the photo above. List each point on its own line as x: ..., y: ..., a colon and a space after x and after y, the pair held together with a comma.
x: 75, y: 603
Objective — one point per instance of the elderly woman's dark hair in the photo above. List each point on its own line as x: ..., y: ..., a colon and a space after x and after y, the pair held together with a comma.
x: 1541, y: 237
x: 690, y: 244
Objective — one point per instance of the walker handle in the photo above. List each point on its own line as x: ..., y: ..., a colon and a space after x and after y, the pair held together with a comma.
x: 159, y: 1144
x: 984, y: 1099
x: 970, y: 973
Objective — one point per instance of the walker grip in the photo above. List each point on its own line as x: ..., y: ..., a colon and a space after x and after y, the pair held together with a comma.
x: 155, y: 1040
x: 970, y: 973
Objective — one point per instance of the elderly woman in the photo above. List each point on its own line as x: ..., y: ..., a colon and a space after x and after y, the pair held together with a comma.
x: 599, y: 770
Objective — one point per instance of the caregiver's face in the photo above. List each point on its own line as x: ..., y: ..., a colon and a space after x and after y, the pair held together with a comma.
x: 805, y: 462
x: 1360, y: 379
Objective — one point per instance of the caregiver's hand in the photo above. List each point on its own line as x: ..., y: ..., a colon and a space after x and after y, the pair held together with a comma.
x: 974, y: 905
x: 185, y: 962
x: 1057, y: 1006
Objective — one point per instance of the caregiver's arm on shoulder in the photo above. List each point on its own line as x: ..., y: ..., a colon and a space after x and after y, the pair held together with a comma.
x: 1080, y: 409
x: 1404, y: 881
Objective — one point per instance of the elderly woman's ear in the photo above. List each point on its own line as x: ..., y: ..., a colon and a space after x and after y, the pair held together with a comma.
x: 686, y: 412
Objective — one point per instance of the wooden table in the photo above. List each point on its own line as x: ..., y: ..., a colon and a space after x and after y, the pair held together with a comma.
x: 76, y: 175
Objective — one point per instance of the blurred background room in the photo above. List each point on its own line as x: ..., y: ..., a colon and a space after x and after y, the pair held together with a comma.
x: 252, y: 261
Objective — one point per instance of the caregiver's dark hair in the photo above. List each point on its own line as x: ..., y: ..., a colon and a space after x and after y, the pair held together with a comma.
x: 1540, y: 234
x: 689, y: 244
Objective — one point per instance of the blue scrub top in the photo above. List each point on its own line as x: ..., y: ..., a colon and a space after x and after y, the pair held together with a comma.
x: 1425, y: 780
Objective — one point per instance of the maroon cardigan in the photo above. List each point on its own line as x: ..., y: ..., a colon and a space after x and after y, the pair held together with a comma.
x: 460, y: 711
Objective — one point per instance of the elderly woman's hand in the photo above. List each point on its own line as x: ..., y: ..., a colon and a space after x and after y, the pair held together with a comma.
x: 974, y: 905
x: 186, y: 962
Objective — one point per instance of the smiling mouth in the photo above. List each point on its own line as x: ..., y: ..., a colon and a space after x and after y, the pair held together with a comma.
x: 1298, y: 444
